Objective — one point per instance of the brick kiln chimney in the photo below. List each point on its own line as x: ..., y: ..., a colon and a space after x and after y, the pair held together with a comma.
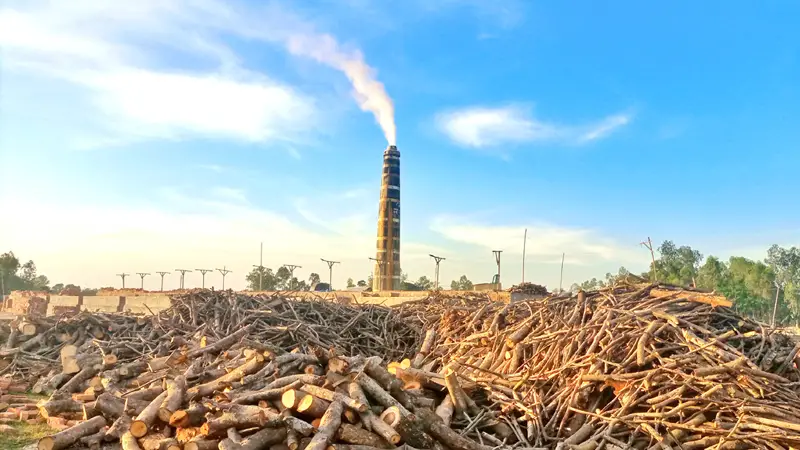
x: 387, y: 269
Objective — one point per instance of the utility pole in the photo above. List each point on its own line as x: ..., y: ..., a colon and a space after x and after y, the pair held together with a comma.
x: 381, y: 263
x: 183, y: 274
x: 291, y: 268
x: 561, y: 278
x: 224, y: 271
x: 142, y: 275
x: 438, y: 259
x: 778, y: 286
x: 260, y: 267
x: 204, y: 272
x: 123, y: 275
x: 162, y: 278
x: 497, y: 258
x: 649, y: 246
x: 330, y: 271
x: 524, y: 244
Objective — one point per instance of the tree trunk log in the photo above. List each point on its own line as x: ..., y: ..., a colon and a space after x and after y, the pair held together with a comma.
x: 176, y: 392
x: 220, y: 344
x: 258, y: 441
x: 110, y: 406
x: 201, y: 444
x: 446, y: 435
x: 193, y: 416
x: 70, y: 436
x: 141, y: 425
x: 75, y: 383
x: 228, y: 379
x: 118, y: 428
x: 57, y: 407
x: 328, y: 426
x: 129, y: 442
x: 332, y: 396
x: 312, y: 406
x: 352, y: 434
x: 246, y: 398
x: 239, y: 418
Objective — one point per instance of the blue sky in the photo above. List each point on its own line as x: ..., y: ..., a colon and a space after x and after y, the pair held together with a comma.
x: 154, y: 135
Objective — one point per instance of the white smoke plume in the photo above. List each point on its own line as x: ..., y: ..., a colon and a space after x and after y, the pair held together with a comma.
x: 367, y: 90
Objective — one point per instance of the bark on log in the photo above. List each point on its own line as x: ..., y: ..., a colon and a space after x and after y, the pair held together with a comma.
x: 313, y: 406
x: 204, y: 390
x: 352, y: 434
x: 425, y: 348
x: 383, y: 429
x: 201, y: 444
x: 446, y: 435
x: 93, y: 441
x: 75, y: 383
x: 304, y: 378
x: 118, y: 428
x: 328, y: 426
x: 220, y: 344
x: 246, y: 398
x: 147, y: 394
x: 413, y: 432
x: 193, y: 416
x: 176, y: 392
x: 445, y: 410
x: 258, y: 441
x: 70, y: 436
x: 110, y: 406
x: 129, y: 442
x: 239, y: 418
x: 90, y: 410
x: 157, y: 441
x: 57, y: 407
x: 333, y: 396
x: 141, y: 425
x: 371, y: 387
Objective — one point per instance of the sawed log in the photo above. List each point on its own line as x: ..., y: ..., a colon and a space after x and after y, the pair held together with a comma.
x: 70, y: 436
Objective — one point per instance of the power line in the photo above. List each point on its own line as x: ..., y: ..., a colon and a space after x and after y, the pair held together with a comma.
x: 224, y: 271
x: 204, y: 272
x: 142, y: 275
x: 183, y: 274
x: 162, y: 278
x: 123, y: 275
x: 330, y: 271
x: 438, y: 259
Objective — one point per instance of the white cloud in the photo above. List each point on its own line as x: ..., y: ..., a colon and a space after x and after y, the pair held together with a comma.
x: 483, y: 127
x: 230, y: 194
x: 545, y: 242
x: 155, y: 69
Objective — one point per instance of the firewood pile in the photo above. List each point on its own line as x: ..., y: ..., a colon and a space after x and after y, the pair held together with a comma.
x: 629, y: 367
x: 635, y: 366
x: 529, y: 289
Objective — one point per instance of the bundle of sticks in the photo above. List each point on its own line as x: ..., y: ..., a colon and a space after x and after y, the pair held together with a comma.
x: 529, y: 289
x: 32, y: 346
x: 635, y: 366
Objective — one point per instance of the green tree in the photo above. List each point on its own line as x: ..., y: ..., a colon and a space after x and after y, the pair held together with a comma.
x: 712, y: 275
x: 313, y: 279
x: 283, y: 276
x: 424, y: 283
x: 267, y: 277
x: 678, y: 265
x: 350, y: 283
x: 361, y: 283
x: 786, y: 265
x: 463, y: 284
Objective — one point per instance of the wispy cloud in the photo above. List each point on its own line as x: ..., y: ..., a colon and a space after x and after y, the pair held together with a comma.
x: 229, y: 193
x: 484, y: 127
x: 166, y: 69
x: 545, y: 243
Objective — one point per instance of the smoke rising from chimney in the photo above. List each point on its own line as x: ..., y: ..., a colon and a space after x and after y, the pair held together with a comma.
x: 367, y: 90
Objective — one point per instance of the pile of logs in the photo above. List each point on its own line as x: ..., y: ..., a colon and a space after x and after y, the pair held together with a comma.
x: 30, y: 347
x: 634, y: 366
x: 529, y: 289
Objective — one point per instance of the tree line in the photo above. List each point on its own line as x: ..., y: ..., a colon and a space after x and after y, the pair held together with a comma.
x: 18, y: 276
x: 753, y: 285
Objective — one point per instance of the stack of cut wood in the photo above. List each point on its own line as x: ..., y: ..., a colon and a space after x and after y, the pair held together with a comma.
x: 529, y: 289
x: 635, y: 366
x: 30, y: 347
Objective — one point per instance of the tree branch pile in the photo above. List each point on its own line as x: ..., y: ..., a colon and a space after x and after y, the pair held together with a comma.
x: 634, y: 366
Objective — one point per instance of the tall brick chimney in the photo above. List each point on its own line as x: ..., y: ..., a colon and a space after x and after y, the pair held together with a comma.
x: 387, y: 270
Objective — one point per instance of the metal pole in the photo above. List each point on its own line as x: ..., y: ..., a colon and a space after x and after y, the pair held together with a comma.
x: 142, y: 274
x: 524, y: 243
x: 162, y: 278
x: 775, y: 305
x: 204, y: 272
x: 497, y: 258
x: 330, y: 271
x: 561, y: 278
x: 123, y: 275
x: 183, y: 275
x: 260, y: 268
x: 224, y: 271
x: 438, y: 259
x: 291, y: 268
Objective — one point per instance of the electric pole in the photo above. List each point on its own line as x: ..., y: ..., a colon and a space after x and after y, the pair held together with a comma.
x: 224, y: 271
x: 142, y: 275
x: 778, y: 286
x: 497, y: 258
x: 524, y: 245
x: 649, y: 246
x: 330, y: 271
x: 123, y: 275
x: 381, y: 263
x: 183, y: 274
x: 291, y: 268
x: 561, y: 278
x: 203, y: 272
x: 438, y: 259
x: 162, y: 278
x: 260, y: 267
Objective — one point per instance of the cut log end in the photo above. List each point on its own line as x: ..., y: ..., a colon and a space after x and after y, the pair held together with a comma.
x: 391, y: 416
x: 138, y: 429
